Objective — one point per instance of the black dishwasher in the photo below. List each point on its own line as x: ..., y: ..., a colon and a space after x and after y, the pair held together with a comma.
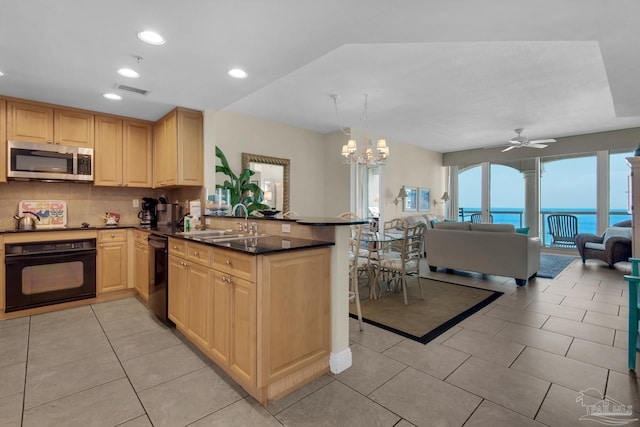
x: 158, y: 276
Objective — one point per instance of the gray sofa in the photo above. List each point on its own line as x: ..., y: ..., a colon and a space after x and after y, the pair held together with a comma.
x: 483, y: 248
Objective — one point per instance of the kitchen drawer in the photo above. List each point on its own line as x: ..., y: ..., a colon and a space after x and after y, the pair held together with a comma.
x: 199, y: 253
x: 235, y: 264
x: 178, y: 247
x: 112, y: 236
x: 140, y: 237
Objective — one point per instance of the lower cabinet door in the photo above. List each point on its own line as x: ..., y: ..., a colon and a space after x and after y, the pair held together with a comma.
x: 198, y: 299
x: 242, y: 356
x: 177, y: 291
x: 220, y: 304
x: 112, y: 267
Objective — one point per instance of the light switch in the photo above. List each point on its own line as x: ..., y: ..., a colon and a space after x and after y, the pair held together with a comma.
x: 286, y: 228
x: 136, y: 203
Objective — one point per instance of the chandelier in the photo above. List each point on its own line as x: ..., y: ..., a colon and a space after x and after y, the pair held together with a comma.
x: 369, y: 156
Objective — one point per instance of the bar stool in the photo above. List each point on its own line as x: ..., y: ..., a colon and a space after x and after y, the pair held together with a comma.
x: 634, y: 309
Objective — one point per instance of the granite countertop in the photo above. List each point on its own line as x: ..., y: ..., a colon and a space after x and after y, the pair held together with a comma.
x: 256, y: 246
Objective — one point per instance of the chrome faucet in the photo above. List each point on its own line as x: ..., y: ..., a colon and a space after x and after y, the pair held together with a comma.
x: 246, y: 215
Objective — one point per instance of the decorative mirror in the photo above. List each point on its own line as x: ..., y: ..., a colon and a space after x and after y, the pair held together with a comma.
x: 272, y: 175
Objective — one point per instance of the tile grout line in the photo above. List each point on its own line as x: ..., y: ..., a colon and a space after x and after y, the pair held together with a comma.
x: 26, y: 370
x: 122, y: 367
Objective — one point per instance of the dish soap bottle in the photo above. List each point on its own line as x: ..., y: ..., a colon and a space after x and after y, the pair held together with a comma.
x: 187, y: 223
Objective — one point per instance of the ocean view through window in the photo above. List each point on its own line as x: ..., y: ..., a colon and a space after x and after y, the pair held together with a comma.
x: 568, y: 185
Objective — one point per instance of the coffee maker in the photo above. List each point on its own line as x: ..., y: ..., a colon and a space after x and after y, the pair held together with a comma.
x: 149, y: 214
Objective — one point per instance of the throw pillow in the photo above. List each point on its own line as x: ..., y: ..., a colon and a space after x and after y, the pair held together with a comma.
x: 522, y: 230
x: 617, y: 232
x: 434, y: 222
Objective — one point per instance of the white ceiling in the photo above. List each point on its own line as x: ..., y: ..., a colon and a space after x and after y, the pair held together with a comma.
x: 447, y: 76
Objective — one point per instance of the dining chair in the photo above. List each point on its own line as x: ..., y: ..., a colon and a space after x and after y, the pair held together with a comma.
x: 397, y: 267
x: 634, y: 311
x: 356, y: 264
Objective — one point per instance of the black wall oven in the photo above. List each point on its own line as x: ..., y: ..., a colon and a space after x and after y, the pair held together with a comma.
x: 45, y: 273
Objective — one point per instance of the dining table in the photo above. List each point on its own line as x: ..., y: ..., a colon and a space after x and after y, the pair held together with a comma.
x: 378, y: 245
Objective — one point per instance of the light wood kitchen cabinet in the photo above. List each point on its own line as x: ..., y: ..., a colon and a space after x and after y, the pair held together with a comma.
x: 190, y: 280
x: 264, y: 319
x: 112, y: 260
x: 178, y: 149
x: 141, y: 264
x: 42, y: 123
x: 123, y: 153
x: 177, y: 294
x: 233, y: 303
x: 3, y: 138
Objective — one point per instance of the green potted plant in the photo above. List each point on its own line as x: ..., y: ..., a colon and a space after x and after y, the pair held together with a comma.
x: 241, y: 189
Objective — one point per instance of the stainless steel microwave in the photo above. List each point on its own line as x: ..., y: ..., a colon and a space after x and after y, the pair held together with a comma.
x: 48, y: 162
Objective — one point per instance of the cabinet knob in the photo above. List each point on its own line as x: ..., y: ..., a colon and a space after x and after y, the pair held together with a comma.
x: 113, y: 235
x: 175, y: 248
x: 196, y: 254
x: 228, y: 262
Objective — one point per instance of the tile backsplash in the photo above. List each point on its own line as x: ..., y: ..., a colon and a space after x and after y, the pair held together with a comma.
x: 85, y: 202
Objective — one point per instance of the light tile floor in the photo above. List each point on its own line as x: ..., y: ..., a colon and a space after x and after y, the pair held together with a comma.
x: 521, y: 361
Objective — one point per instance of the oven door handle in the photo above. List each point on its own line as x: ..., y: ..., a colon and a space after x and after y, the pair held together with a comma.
x: 16, y: 259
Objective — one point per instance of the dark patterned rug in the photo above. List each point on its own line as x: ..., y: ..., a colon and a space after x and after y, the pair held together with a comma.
x: 444, y: 305
x: 552, y: 265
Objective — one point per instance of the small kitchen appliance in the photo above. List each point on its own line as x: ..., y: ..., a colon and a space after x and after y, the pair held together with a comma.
x: 47, y: 162
x: 168, y: 214
x: 149, y: 214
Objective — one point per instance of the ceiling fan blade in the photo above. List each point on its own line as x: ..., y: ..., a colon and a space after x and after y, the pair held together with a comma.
x: 511, y: 147
x: 543, y: 141
x: 536, y: 145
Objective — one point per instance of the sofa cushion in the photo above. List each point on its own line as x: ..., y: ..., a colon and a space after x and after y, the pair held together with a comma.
x: 522, y: 230
x: 415, y: 219
x: 501, y: 228
x: 466, y: 226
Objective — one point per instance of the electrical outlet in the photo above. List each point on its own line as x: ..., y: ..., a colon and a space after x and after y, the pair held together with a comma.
x: 136, y: 203
x: 207, y: 221
x: 286, y: 228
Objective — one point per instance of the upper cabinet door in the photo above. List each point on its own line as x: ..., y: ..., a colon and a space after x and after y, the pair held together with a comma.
x: 108, y: 152
x: 29, y: 122
x: 190, y: 148
x: 32, y: 122
x: 137, y: 154
x: 73, y: 128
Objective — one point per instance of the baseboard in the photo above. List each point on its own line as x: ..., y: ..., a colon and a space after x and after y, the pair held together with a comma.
x: 339, y: 362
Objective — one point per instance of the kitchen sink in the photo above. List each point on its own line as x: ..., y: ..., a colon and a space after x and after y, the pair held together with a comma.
x: 230, y: 238
x: 210, y: 234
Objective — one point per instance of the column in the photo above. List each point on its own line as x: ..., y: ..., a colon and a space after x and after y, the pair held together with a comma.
x: 532, y: 200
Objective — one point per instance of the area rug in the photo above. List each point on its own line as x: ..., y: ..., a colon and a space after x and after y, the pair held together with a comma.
x: 444, y: 305
x: 552, y: 265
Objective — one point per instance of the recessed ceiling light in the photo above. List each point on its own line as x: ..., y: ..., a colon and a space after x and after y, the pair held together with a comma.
x: 151, y: 37
x: 238, y: 73
x: 1, y: 74
x: 128, y: 72
x: 112, y: 96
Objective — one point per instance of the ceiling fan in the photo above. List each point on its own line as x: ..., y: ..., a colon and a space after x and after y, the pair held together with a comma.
x: 522, y: 141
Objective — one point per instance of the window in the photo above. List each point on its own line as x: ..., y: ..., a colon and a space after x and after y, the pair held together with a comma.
x: 507, y: 195
x: 568, y: 185
x: 469, y: 192
x: 618, y: 187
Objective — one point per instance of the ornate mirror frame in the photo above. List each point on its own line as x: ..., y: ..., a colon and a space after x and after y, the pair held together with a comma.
x: 248, y: 158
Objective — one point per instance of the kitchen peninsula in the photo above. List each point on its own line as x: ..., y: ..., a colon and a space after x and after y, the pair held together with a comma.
x: 272, y: 312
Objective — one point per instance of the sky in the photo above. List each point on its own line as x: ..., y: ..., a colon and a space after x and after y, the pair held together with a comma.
x: 565, y: 184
